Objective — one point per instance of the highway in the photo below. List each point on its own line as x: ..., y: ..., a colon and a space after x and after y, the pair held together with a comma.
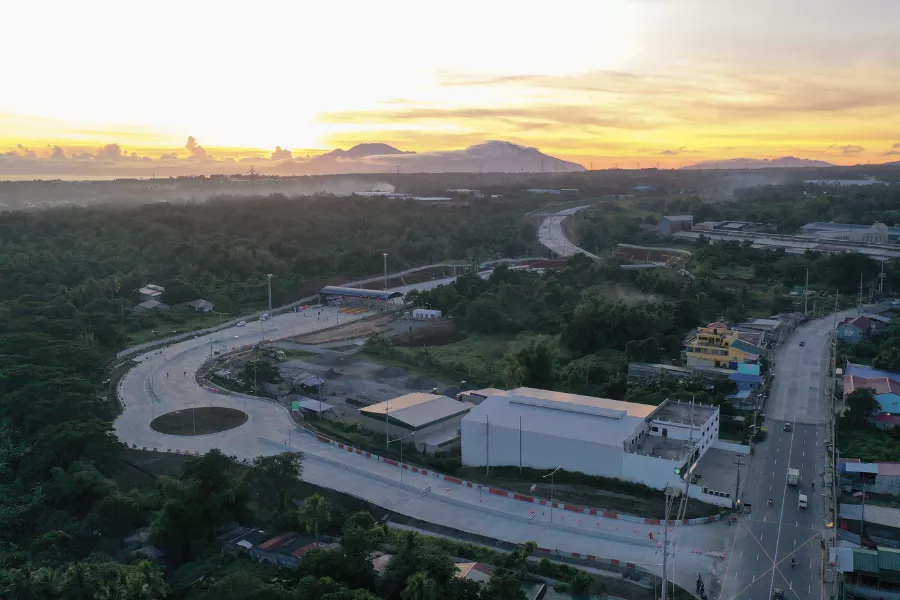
x: 552, y: 236
x: 164, y: 381
x: 768, y: 538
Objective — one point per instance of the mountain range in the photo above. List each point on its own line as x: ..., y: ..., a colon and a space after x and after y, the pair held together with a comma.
x: 491, y: 156
x: 784, y: 162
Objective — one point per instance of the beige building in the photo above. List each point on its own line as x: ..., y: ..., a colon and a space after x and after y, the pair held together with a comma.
x: 430, y: 421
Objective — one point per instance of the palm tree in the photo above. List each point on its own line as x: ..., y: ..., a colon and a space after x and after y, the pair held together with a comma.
x: 77, y: 583
x: 314, y: 511
x: 150, y: 577
x: 420, y: 587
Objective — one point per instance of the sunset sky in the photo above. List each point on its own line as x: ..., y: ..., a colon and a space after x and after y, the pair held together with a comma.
x: 597, y: 82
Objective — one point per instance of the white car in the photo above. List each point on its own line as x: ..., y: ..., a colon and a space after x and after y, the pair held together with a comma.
x: 895, y: 302
x: 241, y: 323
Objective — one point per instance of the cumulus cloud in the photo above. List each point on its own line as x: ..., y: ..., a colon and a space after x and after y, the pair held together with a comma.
x: 25, y: 151
x: 674, y: 151
x: 847, y: 148
x: 195, y: 149
x: 109, y: 152
x: 169, y: 156
x: 280, y: 154
x: 58, y: 153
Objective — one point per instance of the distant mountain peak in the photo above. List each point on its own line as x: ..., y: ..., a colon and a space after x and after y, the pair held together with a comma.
x: 782, y: 162
x: 367, y: 149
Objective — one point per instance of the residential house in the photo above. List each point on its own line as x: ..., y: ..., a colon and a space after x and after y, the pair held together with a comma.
x: 718, y: 346
x: 151, y: 292
x: 855, y: 329
x: 869, y: 574
x: 201, y: 305
x: 883, y: 477
x: 884, y: 384
x: 746, y: 381
x: 151, y: 305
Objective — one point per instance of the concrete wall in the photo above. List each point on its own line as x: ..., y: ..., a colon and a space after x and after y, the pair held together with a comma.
x: 651, y: 471
x: 539, y: 451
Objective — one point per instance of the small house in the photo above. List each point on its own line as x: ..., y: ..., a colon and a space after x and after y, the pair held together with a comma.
x: 201, y: 305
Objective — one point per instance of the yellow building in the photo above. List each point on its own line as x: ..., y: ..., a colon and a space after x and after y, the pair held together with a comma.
x: 717, y: 346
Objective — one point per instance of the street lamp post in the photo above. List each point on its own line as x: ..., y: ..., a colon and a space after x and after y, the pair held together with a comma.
x: 269, y: 278
x: 401, y: 451
x: 550, y: 475
x: 384, y: 255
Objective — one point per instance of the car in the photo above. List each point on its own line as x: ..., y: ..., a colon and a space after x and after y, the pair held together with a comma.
x: 236, y: 337
x: 241, y: 323
x: 802, y: 344
x: 895, y: 302
x: 787, y: 427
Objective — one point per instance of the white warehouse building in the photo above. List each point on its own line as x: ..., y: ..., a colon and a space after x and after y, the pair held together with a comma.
x: 543, y: 429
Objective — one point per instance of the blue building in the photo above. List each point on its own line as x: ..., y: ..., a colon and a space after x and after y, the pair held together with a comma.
x: 746, y: 381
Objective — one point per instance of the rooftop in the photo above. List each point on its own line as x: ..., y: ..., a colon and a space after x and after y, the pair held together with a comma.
x: 336, y: 290
x: 865, y: 372
x: 660, y: 447
x: 417, y: 410
x: 201, y: 304
x: 596, y: 420
x: 671, y: 217
x: 879, y: 515
x: 748, y: 347
x: 684, y: 412
x: 881, y: 385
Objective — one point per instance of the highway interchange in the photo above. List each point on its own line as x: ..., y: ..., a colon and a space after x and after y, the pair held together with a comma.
x: 757, y: 551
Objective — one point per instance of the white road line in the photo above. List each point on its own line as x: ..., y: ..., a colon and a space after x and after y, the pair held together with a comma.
x: 757, y: 558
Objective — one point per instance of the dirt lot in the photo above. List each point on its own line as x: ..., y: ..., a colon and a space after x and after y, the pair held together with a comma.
x: 358, y: 379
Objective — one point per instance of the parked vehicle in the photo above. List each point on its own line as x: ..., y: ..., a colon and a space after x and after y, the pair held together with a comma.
x: 793, y: 477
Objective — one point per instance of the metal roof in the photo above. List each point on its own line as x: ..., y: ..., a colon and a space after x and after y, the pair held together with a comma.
x: 748, y: 347
x: 335, y: 290
x: 865, y: 560
x: 862, y: 468
x: 417, y: 410
x: 672, y: 217
x: 556, y: 414
x: 879, y: 515
x: 865, y: 372
x: 889, y: 559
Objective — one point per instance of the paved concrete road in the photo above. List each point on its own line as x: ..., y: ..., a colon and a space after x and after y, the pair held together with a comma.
x: 552, y: 235
x: 164, y: 381
x: 767, y: 539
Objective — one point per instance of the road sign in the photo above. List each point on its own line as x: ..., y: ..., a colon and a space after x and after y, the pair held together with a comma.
x: 295, y: 405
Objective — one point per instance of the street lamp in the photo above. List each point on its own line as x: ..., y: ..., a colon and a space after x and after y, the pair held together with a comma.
x: 550, y: 475
x: 384, y: 256
x: 401, y: 451
x: 269, y: 278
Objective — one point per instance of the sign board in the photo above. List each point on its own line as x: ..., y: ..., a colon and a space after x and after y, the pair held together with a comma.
x: 295, y: 405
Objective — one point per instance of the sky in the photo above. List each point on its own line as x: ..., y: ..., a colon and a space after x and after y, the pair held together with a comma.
x: 599, y: 82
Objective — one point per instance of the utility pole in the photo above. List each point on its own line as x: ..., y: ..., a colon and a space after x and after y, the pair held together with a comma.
x: 859, y: 302
x: 881, y: 282
x: 487, y: 446
x: 384, y: 256
x: 269, y: 277
x: 806, y: 295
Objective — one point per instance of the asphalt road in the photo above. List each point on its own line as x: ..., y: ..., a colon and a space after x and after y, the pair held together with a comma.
x: 164, y: 381
x: 552, y: 236
x: 768, y: 538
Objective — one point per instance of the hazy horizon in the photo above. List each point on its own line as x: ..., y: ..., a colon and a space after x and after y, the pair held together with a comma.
x: 635, y: 81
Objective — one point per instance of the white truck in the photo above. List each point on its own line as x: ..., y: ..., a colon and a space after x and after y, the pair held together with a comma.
x: 793, y: 477
x: 801, y: 501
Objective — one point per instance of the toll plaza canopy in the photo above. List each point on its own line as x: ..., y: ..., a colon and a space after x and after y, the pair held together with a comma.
x: 334, y: 290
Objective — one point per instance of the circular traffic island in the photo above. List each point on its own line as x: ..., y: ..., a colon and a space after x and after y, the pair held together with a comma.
x: 202, y: 420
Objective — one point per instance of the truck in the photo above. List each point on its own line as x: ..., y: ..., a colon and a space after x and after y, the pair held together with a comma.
x: 793, y: 477
x: 271, y: 352
x: 802, y: 501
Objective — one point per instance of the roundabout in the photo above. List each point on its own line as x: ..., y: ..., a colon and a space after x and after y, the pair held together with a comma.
x: 199, y: 421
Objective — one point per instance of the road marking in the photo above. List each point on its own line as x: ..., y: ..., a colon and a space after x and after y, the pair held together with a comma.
x: 795, y: 542
x: 742, y: 555
x: 757, y: 558
x: 770, y: 488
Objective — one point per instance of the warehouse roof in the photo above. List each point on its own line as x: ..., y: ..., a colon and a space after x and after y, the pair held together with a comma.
x: 417, y: 410
x: 336, y: 290
x: 557, y: 414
